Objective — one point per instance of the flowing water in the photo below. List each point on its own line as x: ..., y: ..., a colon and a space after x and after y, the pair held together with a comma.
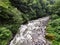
x: 32, y: 33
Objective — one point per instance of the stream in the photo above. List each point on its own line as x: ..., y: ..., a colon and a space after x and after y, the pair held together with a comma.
x: 32, y: 33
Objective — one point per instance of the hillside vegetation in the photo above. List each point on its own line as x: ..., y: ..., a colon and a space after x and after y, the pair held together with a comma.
x: 13, y: 13
x: 53, y: 27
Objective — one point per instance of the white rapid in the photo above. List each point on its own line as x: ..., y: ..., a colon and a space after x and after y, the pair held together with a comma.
x: 32, y: 33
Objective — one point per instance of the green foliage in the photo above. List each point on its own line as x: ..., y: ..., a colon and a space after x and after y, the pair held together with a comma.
x: 10, y: 20
x: 4, y: 42
x: 37, y: 8
x: 54, y: 16
x: 57, y: 3
x: 56, y: 7
x: 17, y: 12
x: 5, y: 35
x: 10, y: 17
x: 54, y: 28
x: 55, y: 42
x: 5, y: 3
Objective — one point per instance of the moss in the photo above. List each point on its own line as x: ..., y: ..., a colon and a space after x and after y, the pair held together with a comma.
x: 50, y: 36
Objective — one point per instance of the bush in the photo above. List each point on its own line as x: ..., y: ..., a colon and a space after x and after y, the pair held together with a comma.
x: 36, y: 8
x: 4, y: 42
x: 54, y: 28
x: 54, y: 16
x: 55, y: 42
x: 5, y: 35
x: 55, y: 23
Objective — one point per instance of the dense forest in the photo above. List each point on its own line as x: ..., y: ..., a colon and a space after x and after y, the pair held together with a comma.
x: 13, y: 13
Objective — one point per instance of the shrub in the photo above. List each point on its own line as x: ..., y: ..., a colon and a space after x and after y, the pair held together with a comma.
x: 54, y: 16
x: 55, y: 42
x: 5, y: 35
x: 54, y: 28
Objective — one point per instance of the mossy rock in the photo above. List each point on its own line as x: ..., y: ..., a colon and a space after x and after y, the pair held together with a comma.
x: 50, y: 36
